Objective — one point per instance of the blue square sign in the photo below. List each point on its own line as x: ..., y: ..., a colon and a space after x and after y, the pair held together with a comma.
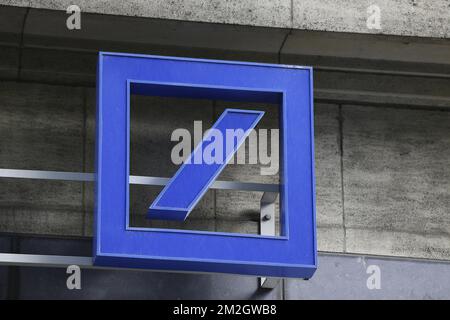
x: 292, y: 254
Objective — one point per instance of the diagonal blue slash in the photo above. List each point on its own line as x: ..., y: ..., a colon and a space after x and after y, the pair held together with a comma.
x: 204, y: 164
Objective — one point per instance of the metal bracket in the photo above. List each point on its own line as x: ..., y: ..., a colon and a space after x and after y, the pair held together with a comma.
x: 267, y: 228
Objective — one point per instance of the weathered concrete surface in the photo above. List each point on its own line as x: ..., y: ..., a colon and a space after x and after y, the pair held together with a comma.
x: 382, y: 89
x: 329, y: 209
x: 420, y: 18
x: 384, y: 84
x: 346, y: 277
x: 397, y: 181
x: 11, y: 22
x: 41, y: 128
x: 276, y: 13
x: 41, y: 207
x: 53, y: 67
x: 364, y: 51
x: 373, y: 69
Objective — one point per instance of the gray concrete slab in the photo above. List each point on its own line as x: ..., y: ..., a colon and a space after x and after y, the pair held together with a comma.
x: 245, y: 225
x: 253, y: 12
x: 374, y: 98
x: 11, y: 24
x: 240, y: 209
x: 346, y: 277
x: 399, y: 17
x: 359, y: 51
x: 58, y: 67
x: 329, y: 209
x: 42, y: 129
x: 330, y: 238
x: 399, y: 85
x: 396, y: 181
x: 41, y: 207
x: 9, y: 64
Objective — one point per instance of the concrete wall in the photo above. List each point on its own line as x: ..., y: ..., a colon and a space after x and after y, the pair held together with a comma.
x: 420, y: 18
x: 382, y: 128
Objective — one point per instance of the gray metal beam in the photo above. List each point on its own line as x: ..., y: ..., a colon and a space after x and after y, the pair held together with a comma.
x: 142, y: 180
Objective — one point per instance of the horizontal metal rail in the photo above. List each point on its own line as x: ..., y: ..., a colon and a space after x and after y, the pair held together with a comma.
x: 58, y: 261
x: 55, y: 261
x: 142, y: 180
x: 43, y: 260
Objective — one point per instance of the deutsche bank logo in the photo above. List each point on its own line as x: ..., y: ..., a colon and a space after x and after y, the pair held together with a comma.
x: 177, y: 200
x: 291, y: 254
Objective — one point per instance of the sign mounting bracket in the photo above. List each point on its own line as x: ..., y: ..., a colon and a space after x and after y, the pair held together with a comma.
x: 267, y: 228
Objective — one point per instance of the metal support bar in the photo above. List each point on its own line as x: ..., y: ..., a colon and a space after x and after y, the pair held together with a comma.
x: 46, y: 175
x: 267, y: 228
x: 41, y: 260
x: 55, y: 261
x: 142, y: 180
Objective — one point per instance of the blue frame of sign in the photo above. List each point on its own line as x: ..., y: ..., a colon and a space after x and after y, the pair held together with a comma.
x: 116, y: 244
